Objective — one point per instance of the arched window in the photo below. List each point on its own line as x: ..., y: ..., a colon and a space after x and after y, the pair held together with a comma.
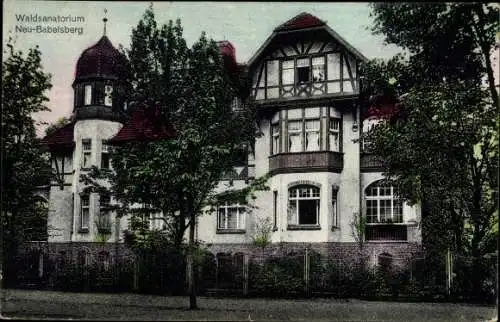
x: 303, y: 205
x: 382, y: 204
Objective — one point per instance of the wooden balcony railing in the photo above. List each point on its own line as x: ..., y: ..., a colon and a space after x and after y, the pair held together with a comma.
x: 306, y: 162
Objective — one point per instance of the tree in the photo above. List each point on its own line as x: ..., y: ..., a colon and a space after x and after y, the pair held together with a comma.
x: 59, y: 123
x: 191, y: 89
x: 438, y: 145
x: 24, y: 165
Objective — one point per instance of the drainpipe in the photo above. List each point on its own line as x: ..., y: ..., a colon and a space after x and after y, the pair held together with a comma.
x: 358, y: 116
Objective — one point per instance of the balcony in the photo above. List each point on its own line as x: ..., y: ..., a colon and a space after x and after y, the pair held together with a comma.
x: 370, y: 163
x: 386, y: 232
x: 306, y: 162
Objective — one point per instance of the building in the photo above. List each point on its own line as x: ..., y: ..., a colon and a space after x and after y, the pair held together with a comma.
x: 306, y: 83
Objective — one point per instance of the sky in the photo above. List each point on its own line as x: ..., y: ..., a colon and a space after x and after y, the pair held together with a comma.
x: 245, y: 24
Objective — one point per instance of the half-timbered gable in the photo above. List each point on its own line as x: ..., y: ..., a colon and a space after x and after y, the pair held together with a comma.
x: 304, y: 58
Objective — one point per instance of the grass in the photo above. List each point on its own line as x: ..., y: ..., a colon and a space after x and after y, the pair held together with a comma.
x: 43, y: 304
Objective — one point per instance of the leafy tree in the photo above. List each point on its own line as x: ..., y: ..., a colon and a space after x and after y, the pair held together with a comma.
x: 191, y: 89
x: 59, y: 123
x: 24, y: 165
x: 439, y: 145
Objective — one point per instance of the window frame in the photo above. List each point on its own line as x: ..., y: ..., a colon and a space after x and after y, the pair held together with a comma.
x: 378, y: 198
x: 314, y: 194
x: 105, y: 152
x: 84, y: 207
x: 108, y: 97
x: 87, y: 94
x: 332, y: 131
x: 241, y: 213
x: 104, y: 212
x: 86, y: 152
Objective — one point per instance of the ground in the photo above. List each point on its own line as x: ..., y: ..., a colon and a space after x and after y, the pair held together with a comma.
x: 59, y: 305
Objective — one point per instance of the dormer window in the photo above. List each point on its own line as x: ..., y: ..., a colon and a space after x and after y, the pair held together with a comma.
x: 87, y: 95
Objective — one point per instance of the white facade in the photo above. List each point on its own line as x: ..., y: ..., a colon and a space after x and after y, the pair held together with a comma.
x: 309, y: 144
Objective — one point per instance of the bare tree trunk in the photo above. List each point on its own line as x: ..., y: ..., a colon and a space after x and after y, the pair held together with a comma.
x: 190, y: 263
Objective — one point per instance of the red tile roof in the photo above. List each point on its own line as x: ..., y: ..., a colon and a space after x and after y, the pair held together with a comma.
x: 301, y: 21
x: 60, y: 138
x: 101, y: 60
x: 145, y: 124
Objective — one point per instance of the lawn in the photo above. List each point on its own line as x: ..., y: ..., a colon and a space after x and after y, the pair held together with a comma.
x: 43, y: 304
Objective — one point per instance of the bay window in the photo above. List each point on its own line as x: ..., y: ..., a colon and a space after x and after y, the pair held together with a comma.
x: 305, y: 131
x: 294, y: 136
x: 312, y: 135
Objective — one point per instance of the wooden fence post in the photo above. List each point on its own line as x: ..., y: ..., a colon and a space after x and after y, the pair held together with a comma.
x: 136, y: 273
x: 306, y: 271
x: 245, y: 274
x: 448, y: 272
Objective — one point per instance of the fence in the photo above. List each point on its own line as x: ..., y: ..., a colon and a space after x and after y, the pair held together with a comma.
x: 304, y: 274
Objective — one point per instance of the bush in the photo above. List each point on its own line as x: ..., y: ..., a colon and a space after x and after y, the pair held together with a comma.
x: 277, y: 276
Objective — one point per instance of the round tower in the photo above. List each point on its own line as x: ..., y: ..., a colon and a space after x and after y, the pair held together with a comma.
x: 99, y: 113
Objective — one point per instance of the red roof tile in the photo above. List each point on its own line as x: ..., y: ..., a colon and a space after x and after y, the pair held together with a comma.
x: 62, y: 137
x: 301, y: 21
x: 144, y: 125
x: 101, y: 59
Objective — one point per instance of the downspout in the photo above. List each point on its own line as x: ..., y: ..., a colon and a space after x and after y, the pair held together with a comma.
x: 358, y: 116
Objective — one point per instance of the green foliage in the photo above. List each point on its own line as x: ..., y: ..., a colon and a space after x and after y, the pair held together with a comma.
x: 358, y: 227
x: 263, y: 230
x: 277, y: 276
x: 24, y: 165
x: 190, y: 89
x: 442, y: 147
x: 59, y: 123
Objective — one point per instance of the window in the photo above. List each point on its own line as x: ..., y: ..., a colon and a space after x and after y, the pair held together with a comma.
x: 288, y: 72
x: 303, y: 205
x: 312, y: 135
x: 104, y: 220
x: 105, y: 161
x: 295, y: 136
x: 335, y: 191
x: 86, y: 153
x: 334, y: 133
x: 303, y: 70
x: 108, y: 95
x: 275, y: 140
x: 87, y: 95
x: 231, y: 217
x: 84, y: 212
x: 318, y: 69
x: 382, y: 205
x: 275, y: 209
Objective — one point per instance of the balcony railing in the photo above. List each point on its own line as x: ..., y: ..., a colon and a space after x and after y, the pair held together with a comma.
x: 370, y: 162
x: 306, y: 162
x: 386, y: 232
